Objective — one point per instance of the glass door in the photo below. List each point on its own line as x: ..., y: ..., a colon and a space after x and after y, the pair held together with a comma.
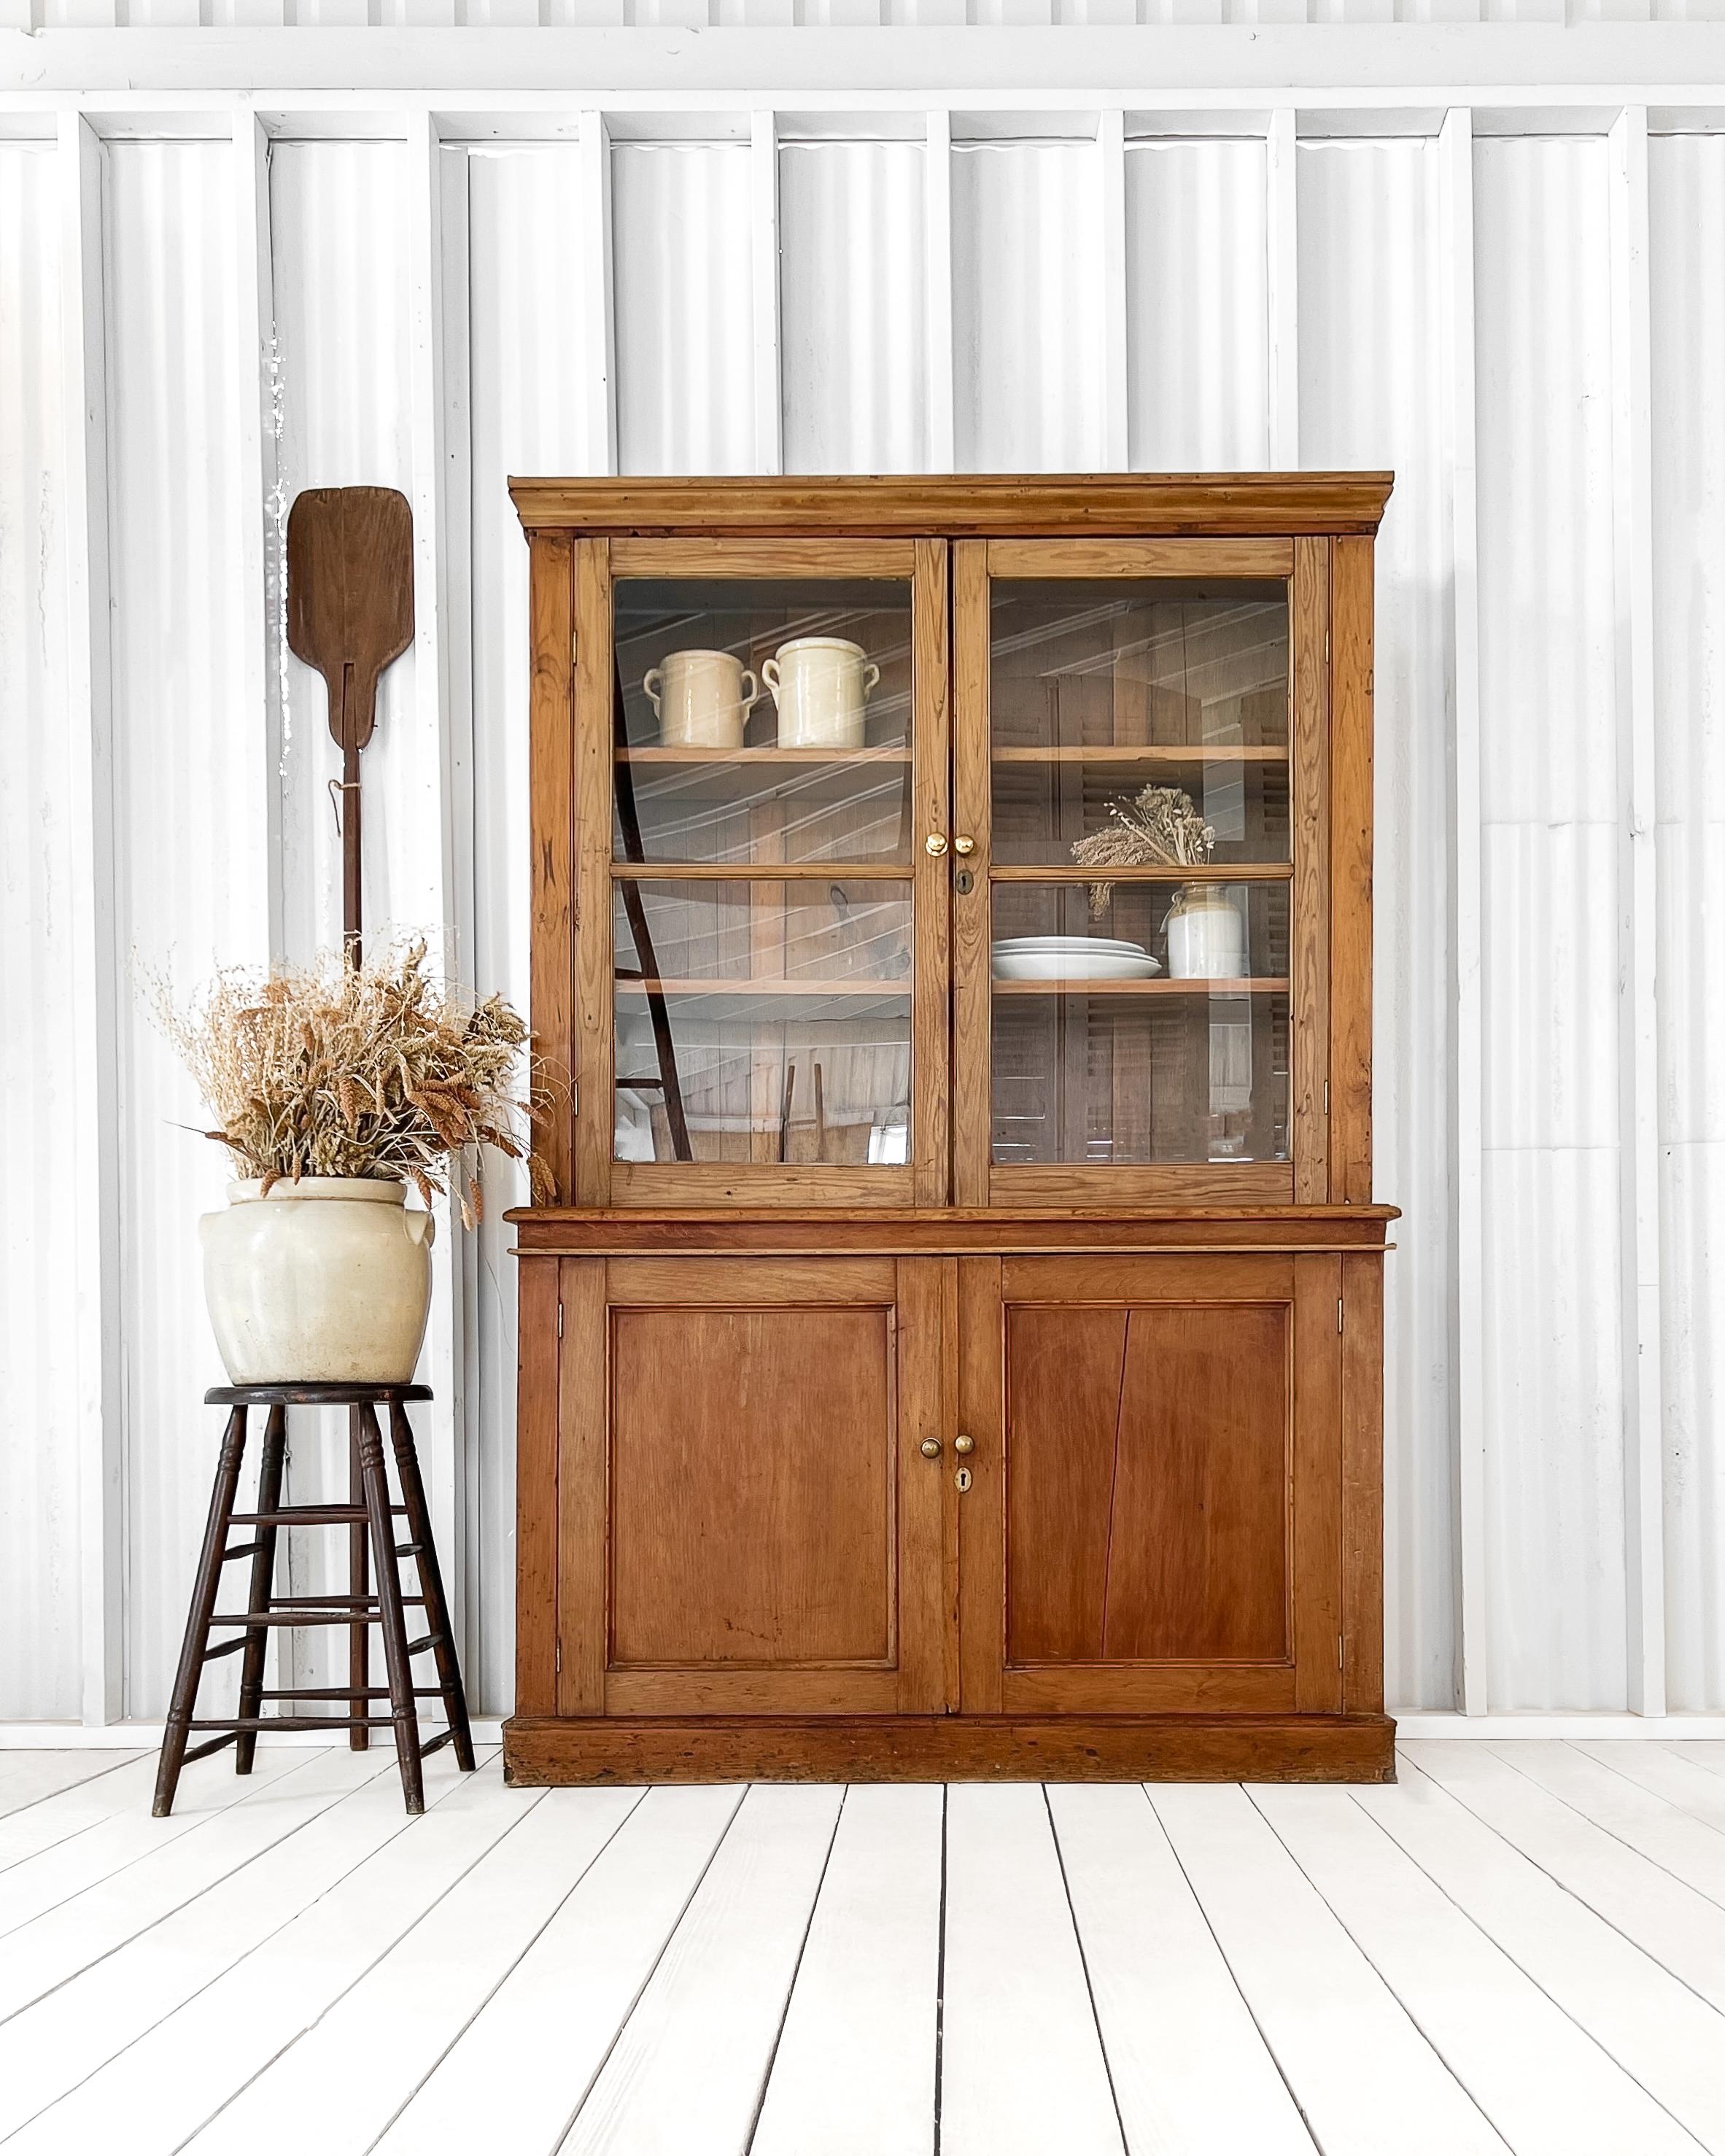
x: 1141, y: 968
x: 773, y: 731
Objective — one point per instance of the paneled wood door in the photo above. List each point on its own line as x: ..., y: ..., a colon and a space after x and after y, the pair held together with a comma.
x: 1153, y: 1520
x: 749, y: 1524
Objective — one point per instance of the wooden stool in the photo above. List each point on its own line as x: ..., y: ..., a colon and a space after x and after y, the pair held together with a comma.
x: 369, y: 1511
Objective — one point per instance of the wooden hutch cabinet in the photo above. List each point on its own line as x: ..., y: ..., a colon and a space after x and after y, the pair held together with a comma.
x: 955, y: 1347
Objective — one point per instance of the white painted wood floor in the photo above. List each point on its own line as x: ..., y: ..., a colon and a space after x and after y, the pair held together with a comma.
x: 1521, y: 1947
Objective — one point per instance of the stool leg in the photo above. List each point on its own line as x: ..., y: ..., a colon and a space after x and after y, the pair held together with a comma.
x: 263, y: 1585
x: 203, y: 1602
x: 431, y: 1584
x: 359, y: 1648
x: 376, y: 1478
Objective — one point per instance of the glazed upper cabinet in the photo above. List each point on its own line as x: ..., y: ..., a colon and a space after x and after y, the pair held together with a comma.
x: 955, y: 1347
x: 909, y: 870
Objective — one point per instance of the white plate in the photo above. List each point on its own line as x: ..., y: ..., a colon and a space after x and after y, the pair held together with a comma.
x: 1085, y: 964
x: 1067, y: 943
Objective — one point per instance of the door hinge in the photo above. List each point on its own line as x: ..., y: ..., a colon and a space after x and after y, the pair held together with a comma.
x: 1338, y: 1313
x: 1338, y: 1651
x: 1327, y: 1097
x: 560, y: 1321
x: 574, y: 649
x: 556, y: 1659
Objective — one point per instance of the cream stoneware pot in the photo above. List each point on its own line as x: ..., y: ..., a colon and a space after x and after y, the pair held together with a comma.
x: 1206, y: 936
x: 699, y: 700
x: 821, y: 686
x: 327, y: 1281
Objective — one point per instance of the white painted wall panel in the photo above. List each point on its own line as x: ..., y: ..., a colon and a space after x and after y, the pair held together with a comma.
x: 1029, y: 318
x: 1027, y: 306
x: 686, y: 360
x: 528, y: 327
x: 1197, y: 326
x: 189, y: 817
x: 1686, y: 208
x: 1372, y: 334
x: 852, y: 357
x: 1551, y: 803
x: 40, y: 1660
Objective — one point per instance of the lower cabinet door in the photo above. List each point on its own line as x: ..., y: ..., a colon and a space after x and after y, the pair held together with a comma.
x: 1153, y: 1518
x: 747, y: 1523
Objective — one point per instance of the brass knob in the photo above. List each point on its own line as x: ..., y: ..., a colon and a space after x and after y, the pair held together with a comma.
x: 931, y: 1447
x: 966, y: 846
x: 936, y: 843
x: 964, y: 1445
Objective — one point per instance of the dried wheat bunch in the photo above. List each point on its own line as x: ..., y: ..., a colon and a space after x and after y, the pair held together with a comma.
x: 374, y: 1069
x: 1159, y: 827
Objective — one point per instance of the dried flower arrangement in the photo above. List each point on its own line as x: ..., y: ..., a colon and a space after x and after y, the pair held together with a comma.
x: 1161, y: 826
x: 375, y: 1069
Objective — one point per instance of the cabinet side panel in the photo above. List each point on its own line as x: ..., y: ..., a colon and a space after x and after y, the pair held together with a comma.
x: 595, y: 671
x: 552, y: 788
x: 753, y: 1470
x: 1309, y: 954
x: 582, y: 1445
x: 1350, y: 874
x: 1363, y: 1486
x: 536, y: 1490
x: 1318, y: 1484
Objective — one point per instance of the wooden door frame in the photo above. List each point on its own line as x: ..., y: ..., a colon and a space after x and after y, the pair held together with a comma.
x: 1309, y: 1679
x: 1304, y: 565
x: 917, y: 1678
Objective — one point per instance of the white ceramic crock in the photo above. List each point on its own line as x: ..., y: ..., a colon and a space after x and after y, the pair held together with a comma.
x: 327, y: 1281
x: 821, y: 686
x: 1206, y: 936
x: 698, y: 697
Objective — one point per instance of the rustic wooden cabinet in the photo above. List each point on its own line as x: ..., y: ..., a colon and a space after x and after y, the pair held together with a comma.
x: 955, y: 1347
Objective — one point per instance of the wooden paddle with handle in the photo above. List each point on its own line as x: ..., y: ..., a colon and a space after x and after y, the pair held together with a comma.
x: 350, y: 612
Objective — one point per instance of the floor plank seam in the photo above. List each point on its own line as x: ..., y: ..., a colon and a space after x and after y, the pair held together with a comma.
x: 1563, y: 1886
x: 48, y: 1796
x: 1598, y: 2042
x: 383, y: 2131
x: 71, y: 2089
x: 940, y: 1975
x: 1233, y: 1975
x: 337, y: 1796
x: 330, y: 2004
x: 790, y: 1992
x: 1364, y: 1952
x: 1610, y: 1832
x: 1646, y: 1787
x: 1090, y: 1988
x: 616, y: 2033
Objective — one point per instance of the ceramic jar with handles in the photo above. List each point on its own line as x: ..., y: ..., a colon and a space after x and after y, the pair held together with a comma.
x: 821, y: 686
x: 700, y: 699
x: 1206, y: 936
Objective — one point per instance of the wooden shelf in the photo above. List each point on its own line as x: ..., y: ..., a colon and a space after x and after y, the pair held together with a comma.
x: 796, y: 759
x: 1211, y: 872
x: 1158, y: 985
x: 1146, y: 752
x: 770, y: 984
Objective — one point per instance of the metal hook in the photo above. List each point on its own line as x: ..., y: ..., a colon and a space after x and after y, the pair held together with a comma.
x: 338, y: 788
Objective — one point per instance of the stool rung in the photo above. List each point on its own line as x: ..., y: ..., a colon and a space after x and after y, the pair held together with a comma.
x: 226, y: 1647
x: 350, y: 1691
x: 320, y: 1616
x: 235, y: 1723
x: 245, y: 1549
x: 307, y: 1516
x: 409, y: 1549
x: 210, y: 1744
x: 354, y: 1601
x: 431, y: 1639
x: 430, y: 1745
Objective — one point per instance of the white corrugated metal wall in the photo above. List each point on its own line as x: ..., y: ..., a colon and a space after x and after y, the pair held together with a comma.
x: 1524, y: 324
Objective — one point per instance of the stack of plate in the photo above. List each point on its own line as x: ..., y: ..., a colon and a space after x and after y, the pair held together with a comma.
x: 1070, y: 959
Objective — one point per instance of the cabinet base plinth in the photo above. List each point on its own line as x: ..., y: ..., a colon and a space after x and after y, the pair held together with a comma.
x: 565, y: 1751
